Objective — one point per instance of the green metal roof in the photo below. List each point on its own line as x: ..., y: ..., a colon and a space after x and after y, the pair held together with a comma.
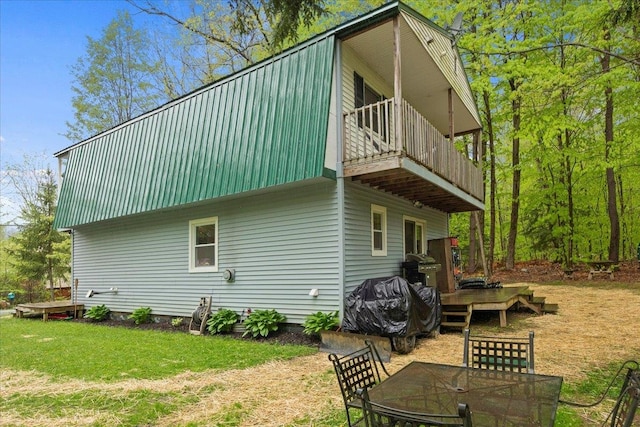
x: 262, y: 127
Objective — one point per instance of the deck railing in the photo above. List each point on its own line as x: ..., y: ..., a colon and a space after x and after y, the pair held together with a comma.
x: 369, y: 135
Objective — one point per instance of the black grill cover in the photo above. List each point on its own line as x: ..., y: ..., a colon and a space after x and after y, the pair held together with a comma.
x: 390, y: 306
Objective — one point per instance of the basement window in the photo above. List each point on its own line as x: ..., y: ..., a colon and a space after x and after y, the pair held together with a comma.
x: 378, y: 230
x: 203, y: 245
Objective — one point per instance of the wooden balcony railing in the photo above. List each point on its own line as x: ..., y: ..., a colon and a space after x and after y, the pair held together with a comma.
x: 369, y: 135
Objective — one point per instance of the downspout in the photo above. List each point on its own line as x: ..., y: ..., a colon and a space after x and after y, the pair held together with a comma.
x: 337, y: 69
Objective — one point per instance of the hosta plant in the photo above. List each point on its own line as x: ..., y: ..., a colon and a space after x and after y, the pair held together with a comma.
x: 262, y: 322
x: 97, y: 313
x: 222, y: 321
x: 141, y: 315
x: 318, y: 322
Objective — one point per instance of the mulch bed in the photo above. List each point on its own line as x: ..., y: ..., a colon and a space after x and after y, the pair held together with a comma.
x: 277, y: 337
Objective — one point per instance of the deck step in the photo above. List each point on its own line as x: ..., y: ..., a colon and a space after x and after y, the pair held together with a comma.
x: 455, y: 313
x: 550, y: 308
x: 462, y: 325
x: 456, y: 316
x: 537, y: 300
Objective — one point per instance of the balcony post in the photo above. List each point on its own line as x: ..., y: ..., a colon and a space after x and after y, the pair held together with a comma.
x: 451, y: 124
x: 397, y: 86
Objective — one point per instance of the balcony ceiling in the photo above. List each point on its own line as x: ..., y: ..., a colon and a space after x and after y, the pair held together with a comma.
x: 403, y: 183
x: 424, y: 84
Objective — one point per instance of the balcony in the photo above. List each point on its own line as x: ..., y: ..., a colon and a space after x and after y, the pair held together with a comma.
x: 417, y: 163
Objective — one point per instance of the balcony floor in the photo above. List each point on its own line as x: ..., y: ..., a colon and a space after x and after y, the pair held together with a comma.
x: 397, y: 175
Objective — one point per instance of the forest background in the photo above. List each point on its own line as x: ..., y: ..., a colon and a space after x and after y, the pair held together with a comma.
x: 557, y: 84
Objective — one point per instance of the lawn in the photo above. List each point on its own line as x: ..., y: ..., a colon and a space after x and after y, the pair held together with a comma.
x: 97, y: 353
x: 71, y: 373
x: 78, y: 374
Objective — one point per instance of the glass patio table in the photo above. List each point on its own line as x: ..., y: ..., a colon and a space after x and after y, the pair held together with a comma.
x: 495, y: 398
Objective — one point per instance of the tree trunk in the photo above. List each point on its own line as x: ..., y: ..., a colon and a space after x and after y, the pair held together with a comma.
x: 570, y: 207
x: 472, y: 265
x: 515, y: 189
x: 492, y: 181
x: 612, y: 207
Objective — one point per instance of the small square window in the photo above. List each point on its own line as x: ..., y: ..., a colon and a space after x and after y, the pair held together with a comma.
x: 203, y: 245
x: 378, y: 230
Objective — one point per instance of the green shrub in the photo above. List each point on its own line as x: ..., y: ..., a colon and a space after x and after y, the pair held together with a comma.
x: 262, y: 322
x: 97, y: 313
x: 222, y: 321
x: 318, y: 322
x: 141, y: 315
x: 177, y: 321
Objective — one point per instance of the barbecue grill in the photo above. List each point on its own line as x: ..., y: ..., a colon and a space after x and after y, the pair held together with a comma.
x: 420, y: 268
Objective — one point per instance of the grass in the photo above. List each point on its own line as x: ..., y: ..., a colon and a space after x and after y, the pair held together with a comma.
x: 589, y: 391
x: 130, y: 408
x: 99, y: 353
x: 105, y: 356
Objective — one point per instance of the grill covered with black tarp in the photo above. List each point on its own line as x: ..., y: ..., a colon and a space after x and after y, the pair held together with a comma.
x: 390, y: 306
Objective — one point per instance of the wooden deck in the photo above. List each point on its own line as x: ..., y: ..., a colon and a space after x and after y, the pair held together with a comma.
x: 45, y: 308
x: 458, y: 306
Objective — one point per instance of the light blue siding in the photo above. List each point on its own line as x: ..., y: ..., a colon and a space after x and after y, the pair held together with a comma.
x: 359, y: 263
x: 281, y: 244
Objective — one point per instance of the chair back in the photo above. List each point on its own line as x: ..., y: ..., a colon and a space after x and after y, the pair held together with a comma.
x: 357, y: 371
x: 624, y: 411
x: 378, y: 415
x: 499, y: 353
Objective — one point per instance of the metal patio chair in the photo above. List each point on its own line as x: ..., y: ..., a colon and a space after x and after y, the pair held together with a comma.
x: 624, y: 411
x: 357, y: 371
x: 499, y: 353
x: 377, y: 415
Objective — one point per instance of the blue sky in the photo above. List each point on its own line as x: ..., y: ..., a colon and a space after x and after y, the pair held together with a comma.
x: 39, y: 42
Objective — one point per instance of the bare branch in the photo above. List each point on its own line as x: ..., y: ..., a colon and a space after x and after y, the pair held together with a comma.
x: 153, y: 10
x: 634, y: 61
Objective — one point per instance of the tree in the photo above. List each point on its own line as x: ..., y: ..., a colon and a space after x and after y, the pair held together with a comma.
x: 627, y: 12
x: 284, y: 16
x: 216, y: 39
x: 114, y: 82
x: 37, y: 251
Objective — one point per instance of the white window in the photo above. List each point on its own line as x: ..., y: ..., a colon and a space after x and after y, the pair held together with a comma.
x: 414, y: 236
x: 378, y: 230
x: 203, y: 245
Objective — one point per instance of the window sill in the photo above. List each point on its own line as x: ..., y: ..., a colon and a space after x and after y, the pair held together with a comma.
x: 203, y: 269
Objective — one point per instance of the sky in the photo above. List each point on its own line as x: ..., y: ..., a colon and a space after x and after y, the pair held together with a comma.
x: 39, y: 43
x: 40, y: 40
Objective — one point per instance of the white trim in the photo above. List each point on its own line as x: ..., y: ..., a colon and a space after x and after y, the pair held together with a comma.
x: 192, y: 245
x: 382, y: 211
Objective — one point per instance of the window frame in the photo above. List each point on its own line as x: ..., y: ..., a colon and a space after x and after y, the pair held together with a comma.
x: 362, y: 90
x: 417, y: 222
x: 193, y: 224
x: 382, y: 211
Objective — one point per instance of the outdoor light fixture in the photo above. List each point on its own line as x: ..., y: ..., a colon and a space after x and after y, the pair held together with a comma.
x: 313, y: 293
x: 418, y: 204
x: 91, y: 292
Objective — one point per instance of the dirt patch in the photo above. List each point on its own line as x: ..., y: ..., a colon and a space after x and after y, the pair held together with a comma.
x: 545, y: 272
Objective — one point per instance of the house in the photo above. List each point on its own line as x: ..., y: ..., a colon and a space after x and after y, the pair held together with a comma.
x: 282, y: 186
